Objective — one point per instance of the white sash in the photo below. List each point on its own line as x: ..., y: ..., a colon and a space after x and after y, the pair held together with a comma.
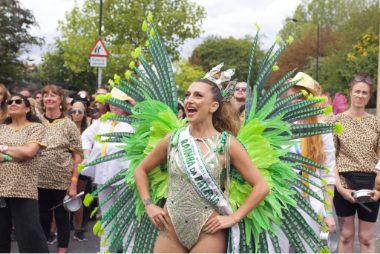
x: 199, y: 176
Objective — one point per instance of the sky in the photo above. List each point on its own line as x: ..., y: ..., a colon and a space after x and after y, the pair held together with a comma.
x: 225, y: 18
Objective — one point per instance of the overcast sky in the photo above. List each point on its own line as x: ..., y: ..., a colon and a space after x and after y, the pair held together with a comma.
x: 224, y: 18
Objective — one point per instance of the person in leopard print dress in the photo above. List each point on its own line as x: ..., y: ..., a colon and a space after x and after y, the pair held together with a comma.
x: 357, y: 153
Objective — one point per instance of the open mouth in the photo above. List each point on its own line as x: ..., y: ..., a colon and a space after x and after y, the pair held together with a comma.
x: 191, y: 110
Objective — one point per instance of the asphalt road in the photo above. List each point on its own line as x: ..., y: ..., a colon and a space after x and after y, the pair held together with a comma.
x: 92, y: 245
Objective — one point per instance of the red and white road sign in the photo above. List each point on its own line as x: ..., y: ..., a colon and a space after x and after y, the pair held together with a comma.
x: 99, y: 49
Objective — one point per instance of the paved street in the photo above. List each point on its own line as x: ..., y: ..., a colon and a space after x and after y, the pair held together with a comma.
x: 92, y: 245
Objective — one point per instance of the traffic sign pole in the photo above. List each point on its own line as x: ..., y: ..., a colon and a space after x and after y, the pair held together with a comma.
x: 100, y: 34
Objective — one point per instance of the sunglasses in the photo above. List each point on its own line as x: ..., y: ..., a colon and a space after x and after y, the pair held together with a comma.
x: 17, y: 101
x: 243, y: 89
x: 365, y: 79
x: 77, y: 111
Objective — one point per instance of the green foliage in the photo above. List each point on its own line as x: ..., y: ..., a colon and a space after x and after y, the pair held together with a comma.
x: 349, y: 21
x: 54, y: 71
x: 185, y: 74
x: 122, y: 31
x: 233, y: 52
x: 363, y: 55
x: 15, y: 23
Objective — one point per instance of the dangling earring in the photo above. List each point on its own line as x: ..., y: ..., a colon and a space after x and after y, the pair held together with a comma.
x: 60, y: 106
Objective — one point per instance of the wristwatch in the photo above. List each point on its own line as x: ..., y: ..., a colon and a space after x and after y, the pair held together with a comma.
x: 3, y: 148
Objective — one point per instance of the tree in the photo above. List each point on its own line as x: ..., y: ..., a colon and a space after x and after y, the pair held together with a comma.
x: 15, y: 22
x: 233, y: 52
x: 54, y: 71
x: 122, y: 20
x: 300, y: 54
x: 185, y: 74
x: 347, y: 20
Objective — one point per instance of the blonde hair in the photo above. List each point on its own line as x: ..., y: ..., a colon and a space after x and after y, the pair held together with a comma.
x: 312, y: 147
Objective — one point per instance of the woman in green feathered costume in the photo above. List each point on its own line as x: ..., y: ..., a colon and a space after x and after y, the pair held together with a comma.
x: 196, y: 215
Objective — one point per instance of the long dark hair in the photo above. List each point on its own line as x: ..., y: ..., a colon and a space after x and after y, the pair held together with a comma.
x: 3, y: 106
x: 83, y: 124
x: 226, y: 117
x: 29, y: 116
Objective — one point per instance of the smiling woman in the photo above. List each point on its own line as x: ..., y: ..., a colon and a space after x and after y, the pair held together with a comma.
x: 358, y: 151
x: 58, y: 171
x: 21, y: 138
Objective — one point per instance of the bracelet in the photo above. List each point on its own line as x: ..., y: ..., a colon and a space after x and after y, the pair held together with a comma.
x: 7, y: 157
x: 329, y: 213
x: 74, y: 179
x: 147, y: 202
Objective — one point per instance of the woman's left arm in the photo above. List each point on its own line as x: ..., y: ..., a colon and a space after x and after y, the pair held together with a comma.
x: 242, y: 162
x: 330, y: 162
x: 376, y: 190
x: 76, y: 149
x: 74, y: 179
x: 21, y: 153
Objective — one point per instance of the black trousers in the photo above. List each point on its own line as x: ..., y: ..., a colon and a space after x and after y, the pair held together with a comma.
x: 47, y: 198
x: 23, y: 214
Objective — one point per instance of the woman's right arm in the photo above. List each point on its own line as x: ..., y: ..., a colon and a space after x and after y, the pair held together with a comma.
x: 157, y: 215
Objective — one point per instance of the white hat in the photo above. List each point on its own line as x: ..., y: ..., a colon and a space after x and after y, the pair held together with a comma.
x: 118, y: 94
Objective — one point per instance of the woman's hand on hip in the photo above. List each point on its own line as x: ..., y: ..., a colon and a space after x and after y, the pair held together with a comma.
x: 219, y: 222
x: 158, y: 216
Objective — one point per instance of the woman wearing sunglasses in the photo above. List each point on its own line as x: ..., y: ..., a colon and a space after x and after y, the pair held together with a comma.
x: 77, y: 113
x: 357, y: 153
x: 21, y: 138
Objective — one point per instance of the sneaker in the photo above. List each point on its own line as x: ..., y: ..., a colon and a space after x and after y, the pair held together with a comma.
x: 52, y: 238
x: 79, y: 235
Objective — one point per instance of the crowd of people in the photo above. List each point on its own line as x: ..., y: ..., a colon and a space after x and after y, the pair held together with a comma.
x: 43, y: 139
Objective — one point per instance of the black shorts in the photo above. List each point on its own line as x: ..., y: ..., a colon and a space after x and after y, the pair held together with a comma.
x: 344, y: 208
x: 83, y: 177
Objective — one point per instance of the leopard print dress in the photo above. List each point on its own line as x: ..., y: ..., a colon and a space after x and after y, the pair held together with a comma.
x: 357, y: 146
x: 62, y: 139
x: 18, y: 179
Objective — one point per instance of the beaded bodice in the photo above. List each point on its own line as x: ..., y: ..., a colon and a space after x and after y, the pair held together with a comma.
x: 187, y: 210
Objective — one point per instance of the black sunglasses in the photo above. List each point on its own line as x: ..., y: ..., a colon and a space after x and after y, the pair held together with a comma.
x: 76, y: 111
x: 243, y: 89
x: 365, y: 79
x: 17, y: 101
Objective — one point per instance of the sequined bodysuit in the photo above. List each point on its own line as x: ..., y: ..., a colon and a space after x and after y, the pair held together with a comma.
x: 187, y: 210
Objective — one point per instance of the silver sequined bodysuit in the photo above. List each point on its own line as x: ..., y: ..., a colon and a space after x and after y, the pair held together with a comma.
x: 187, y: 210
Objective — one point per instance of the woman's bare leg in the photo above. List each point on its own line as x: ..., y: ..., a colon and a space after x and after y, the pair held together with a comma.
x: 167, y: 241
x: 78, y: 215
x: 347, y: 234
x: 367, y: 236
x: 169, y: 244
x: 214, y: 243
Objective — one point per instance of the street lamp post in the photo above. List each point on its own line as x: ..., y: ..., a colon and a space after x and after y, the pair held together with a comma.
x: 100, y: 35
x: 318, y: 41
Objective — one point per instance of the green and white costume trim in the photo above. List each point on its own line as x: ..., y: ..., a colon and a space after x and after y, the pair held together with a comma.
x: 267, y: 135
x: 198, y: 173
